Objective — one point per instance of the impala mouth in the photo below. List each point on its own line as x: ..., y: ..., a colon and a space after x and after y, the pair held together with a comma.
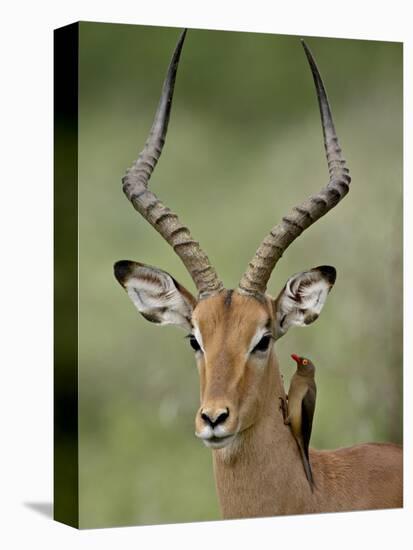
x: 215, y: 442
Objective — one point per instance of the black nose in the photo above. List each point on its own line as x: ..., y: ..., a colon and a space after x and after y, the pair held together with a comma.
x: 213, y: 419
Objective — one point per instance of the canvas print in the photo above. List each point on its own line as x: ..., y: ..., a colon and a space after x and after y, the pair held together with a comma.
x: 216, y: 193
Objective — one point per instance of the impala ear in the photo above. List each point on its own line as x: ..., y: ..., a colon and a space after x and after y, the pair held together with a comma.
x: 301, y: 300
x: 156, y: 295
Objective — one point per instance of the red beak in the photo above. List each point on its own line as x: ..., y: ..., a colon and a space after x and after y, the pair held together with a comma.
x: 296, y: 358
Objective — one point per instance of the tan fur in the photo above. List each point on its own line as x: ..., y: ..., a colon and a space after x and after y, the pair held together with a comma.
x: 260, y: 473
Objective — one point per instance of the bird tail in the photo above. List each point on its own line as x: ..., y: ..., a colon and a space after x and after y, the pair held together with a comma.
x: 307, y: 466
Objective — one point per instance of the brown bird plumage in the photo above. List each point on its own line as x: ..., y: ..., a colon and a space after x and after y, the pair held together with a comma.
x: 300, y: 409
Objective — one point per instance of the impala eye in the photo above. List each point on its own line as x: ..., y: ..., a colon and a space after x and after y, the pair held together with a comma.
x: 194, y: 343
x: 263, y: 344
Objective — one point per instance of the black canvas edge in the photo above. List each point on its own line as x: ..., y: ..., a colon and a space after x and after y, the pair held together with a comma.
x: 66, y: 424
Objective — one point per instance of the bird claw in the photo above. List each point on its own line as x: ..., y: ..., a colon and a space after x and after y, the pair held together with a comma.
x: 283, y: 408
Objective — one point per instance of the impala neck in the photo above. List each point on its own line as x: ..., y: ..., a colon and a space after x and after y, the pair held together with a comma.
x: 262, y: 474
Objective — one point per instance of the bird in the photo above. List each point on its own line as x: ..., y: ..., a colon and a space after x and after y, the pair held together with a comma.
x: 299, y: 410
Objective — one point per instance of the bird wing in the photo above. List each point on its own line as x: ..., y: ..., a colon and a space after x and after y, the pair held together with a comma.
x: 307, y: 413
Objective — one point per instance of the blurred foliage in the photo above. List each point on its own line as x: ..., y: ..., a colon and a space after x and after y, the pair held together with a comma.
x: 244, y: 145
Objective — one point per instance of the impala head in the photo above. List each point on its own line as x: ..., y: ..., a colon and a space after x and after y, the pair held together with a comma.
x: 232, y: 332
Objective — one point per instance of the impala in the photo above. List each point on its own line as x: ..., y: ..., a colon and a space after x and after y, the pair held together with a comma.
x: 257, y: 465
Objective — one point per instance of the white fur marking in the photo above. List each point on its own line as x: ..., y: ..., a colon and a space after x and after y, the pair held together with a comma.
x: 256, y: 338
x: 198, y: 336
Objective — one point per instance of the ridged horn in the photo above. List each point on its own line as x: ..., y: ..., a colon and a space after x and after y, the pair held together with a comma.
x: 255, y: 279
x: 164, y: 220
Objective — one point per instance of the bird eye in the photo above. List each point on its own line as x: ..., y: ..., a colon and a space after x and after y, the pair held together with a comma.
x: 194, y: 343
x: 304, y: 362
x: 263, y: 344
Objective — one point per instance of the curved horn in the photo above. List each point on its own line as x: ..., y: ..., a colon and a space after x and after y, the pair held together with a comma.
x: 302, y: 216
x: 135, y: 187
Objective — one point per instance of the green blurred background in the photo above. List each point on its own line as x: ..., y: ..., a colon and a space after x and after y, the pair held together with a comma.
x: 244, y: 145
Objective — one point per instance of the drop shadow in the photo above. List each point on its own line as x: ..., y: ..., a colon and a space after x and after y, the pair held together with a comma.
x: 43, y: 508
